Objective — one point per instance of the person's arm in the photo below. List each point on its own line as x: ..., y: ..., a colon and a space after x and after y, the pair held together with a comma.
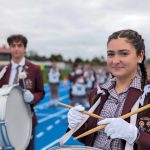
x: 143, y: 141
x: 74, y: 118
x: 90, y: 123
x: 39, y: 87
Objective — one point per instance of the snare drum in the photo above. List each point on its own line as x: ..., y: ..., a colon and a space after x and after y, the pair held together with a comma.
x: 15, y: 119
x: 74, y: 147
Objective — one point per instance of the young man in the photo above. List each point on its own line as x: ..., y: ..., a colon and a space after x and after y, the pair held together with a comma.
x: 33, y: 83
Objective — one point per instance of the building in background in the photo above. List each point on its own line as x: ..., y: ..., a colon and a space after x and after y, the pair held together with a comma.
x: 5, y: 55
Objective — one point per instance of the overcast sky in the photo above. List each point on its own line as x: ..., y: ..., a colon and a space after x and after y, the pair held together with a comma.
x: 73, y: 28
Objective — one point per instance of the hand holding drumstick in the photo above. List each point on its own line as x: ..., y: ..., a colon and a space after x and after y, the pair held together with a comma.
x: 75, y: 124
x: 122, y: 117
x: 82, y: 111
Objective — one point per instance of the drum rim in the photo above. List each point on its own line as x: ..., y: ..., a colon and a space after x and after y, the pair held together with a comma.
x: 73, y: 146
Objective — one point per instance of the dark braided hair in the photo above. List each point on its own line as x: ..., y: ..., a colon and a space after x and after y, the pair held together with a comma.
x: 138, y: 42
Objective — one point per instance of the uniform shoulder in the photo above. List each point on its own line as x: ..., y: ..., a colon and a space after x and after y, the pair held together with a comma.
x: 32, y: 65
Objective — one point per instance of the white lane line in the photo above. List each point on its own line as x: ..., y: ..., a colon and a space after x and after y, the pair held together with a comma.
x: 42, y: 114
x: 63, y: 116
x: 57, y: 121
x: 39, y: 134
x: 52, y: 116
x: 47, y: 147
x: 40, y: 106
x: 46, y: 104
x: 49, y: 127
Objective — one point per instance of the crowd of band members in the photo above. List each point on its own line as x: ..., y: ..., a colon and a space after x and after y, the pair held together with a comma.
x: 83, y: 80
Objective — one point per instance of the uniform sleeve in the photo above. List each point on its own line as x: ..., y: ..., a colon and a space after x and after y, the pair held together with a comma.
x: 144, y: 141
x: 39, y: 87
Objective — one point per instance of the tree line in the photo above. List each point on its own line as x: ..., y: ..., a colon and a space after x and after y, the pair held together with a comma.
x: 32, y: 55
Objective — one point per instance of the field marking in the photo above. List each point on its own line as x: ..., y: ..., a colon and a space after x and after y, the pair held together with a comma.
x: 49, y: 127
x: 47, y: 147
x: 57, y: 121
x: 46, y: 104
x: 52, y: 116
x: 39, y: 134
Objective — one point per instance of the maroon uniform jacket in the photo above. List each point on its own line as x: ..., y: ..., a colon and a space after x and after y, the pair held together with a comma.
x: 34, y: 83
x: 144, y: 139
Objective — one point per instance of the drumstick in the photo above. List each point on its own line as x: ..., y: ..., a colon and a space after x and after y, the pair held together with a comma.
x: 103, y: 126
x: 84, y: 112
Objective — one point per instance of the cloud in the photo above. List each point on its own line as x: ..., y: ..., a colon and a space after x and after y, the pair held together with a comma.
x: 73, y: 28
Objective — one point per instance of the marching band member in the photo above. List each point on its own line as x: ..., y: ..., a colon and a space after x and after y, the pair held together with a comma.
x: 78, y: 87
x: 102, y: 75
x: 54, y: 81
x: 125, y: 59
x: 90, y: 77
x: 33, y: 80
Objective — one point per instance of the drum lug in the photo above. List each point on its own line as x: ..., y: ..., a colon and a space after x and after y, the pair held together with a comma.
x: 4, y: 137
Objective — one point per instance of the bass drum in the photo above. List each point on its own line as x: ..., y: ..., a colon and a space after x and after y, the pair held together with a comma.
x: 74, y: 147
x: 15, y: 119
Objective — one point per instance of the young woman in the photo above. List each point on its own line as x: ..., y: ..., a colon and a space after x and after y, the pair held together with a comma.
x: 125, y: 59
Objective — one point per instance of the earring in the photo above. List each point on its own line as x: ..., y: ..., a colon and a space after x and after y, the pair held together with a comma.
x: 140, y: 61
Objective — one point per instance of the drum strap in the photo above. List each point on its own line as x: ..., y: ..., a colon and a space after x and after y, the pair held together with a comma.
x: 65, y: 137
x: 133, y: 121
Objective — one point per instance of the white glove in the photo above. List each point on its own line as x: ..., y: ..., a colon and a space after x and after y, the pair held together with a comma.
x: 75, y: 117
x: 28, y: 96
x: 119, y: 128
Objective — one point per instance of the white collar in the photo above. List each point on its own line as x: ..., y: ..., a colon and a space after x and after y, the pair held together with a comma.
x: 21, y: 63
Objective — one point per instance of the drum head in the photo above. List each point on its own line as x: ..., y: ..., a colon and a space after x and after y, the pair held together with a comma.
x: 75, y: 147
x: 18, y: 120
